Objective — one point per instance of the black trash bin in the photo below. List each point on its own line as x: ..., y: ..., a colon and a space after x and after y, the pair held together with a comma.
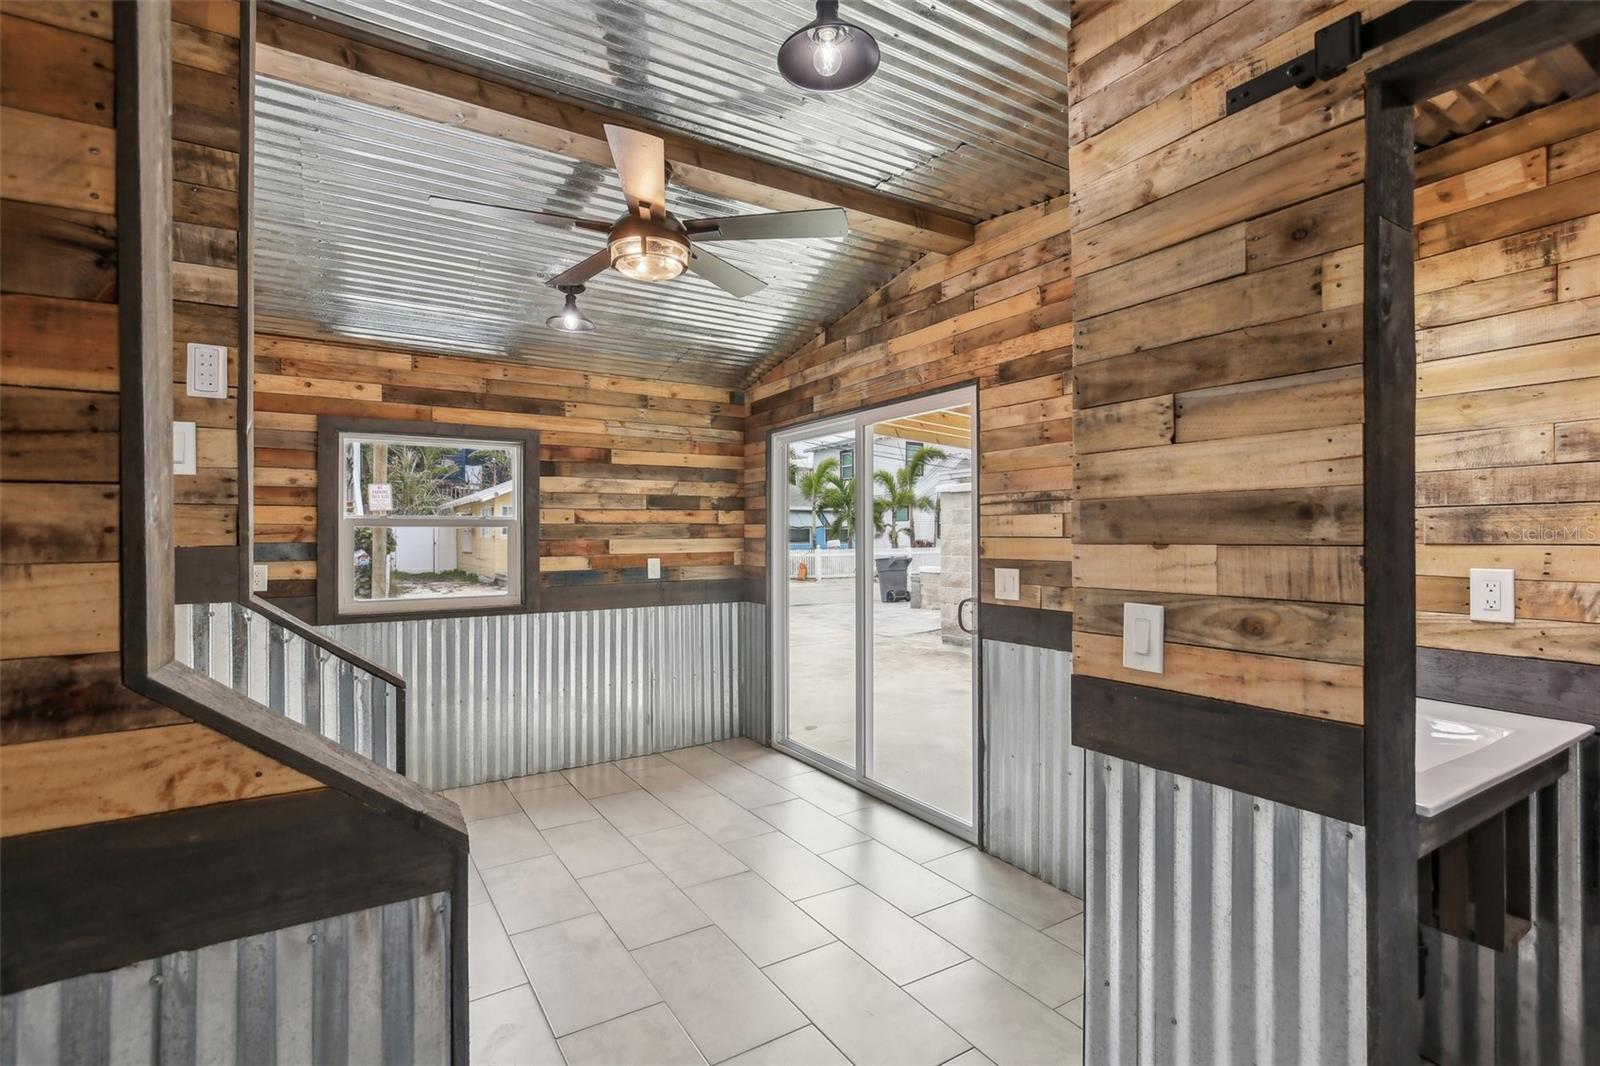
x: 892, y: 578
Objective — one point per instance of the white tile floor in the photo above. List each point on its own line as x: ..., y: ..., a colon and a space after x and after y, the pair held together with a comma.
x: 726, y: 904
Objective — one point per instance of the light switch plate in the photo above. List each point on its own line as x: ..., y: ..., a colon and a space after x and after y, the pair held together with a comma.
x: 1007, y: 583
x: 208, y: 371
x: 653, y: 568
x: 1143, y: 634
x: 258, y: 577
x: 1493, y: 595
x: 183, y: 447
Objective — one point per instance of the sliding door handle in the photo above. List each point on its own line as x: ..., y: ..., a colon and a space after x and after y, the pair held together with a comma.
x: 961, y: 607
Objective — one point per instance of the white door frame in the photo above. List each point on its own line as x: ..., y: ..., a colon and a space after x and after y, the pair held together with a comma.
x: 861, y: 423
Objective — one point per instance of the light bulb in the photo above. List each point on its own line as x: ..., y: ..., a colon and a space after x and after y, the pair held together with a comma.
x: 827, y: 57
x: 569, y: 318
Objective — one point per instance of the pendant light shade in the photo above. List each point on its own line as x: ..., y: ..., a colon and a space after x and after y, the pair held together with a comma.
x: 828, y: 54
x: 569, y: 319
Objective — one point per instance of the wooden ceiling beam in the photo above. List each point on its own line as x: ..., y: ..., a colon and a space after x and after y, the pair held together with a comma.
x: 340, y: 65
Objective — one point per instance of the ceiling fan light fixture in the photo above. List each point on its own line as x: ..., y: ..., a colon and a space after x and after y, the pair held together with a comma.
x: 569, y: 319
x: 649, y: 257
x: 828, y: 54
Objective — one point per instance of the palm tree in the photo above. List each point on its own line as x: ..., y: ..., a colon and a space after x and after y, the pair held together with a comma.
x: 899, y: 490
x: 841, y: 500
x: 815, y: 486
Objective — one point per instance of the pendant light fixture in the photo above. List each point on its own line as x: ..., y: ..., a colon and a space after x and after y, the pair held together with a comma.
x: 569, y: 319
x: 828, y: 54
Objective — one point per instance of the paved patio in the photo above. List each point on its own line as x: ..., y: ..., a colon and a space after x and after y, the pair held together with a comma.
x: 922, y: 692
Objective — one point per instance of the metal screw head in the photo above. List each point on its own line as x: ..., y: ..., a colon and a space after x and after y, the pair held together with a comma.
x: 155, y: 979
x: 312, y: 939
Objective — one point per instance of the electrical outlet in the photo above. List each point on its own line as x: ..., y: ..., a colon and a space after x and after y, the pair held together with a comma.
x: 183, y: 448
x: 1144, y: 636
x: 653, y: 568
x: 208, y: 371
x: 258, y: 577
x: 1007, y: 583
x: 1493, y: 595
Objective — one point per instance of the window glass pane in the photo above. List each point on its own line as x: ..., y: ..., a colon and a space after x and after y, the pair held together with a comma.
x: 397, y: 477
x: 429, y: 563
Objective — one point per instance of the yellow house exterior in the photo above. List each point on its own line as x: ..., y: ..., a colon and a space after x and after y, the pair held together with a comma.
x: 483, y: 551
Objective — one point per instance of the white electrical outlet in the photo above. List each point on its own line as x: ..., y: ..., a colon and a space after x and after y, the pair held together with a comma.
x: 1007, y: 583
x: 1143, y: 636
x: 183, y: 448
x: 653, y: 568
x: 208, y: 371
x: 258, y: 577
x: 1493, y: 595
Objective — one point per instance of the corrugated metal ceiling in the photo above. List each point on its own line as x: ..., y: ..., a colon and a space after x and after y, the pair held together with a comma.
x: 968, y: 112
x: 347, y: 246
x: 967, y: 115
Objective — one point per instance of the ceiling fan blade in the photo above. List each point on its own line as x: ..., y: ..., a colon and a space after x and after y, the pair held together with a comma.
x: 723, y: 274
x: 585, y: 270
x: 641, y: 162
x: 505, y: 212
x: 778, y: 225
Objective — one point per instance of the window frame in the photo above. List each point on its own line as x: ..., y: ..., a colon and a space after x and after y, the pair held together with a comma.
x: 335, y: 530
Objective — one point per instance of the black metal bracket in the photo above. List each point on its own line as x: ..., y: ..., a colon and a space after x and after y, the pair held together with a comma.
x: 1337, y: 46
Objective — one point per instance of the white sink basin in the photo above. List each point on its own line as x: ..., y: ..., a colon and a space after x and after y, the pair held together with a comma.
x: 1462, y: 750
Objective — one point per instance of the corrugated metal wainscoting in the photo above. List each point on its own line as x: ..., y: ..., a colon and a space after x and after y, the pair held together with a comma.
x: 755, y: 679
x: 1539, y: 1004
x: 276, y: 668
x: 367, y: 987
x: 494, y: 697
x: 1221, y: 927
x: 1033, y: 812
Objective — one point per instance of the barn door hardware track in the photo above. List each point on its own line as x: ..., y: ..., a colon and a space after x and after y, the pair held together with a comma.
x: 1337, y: 46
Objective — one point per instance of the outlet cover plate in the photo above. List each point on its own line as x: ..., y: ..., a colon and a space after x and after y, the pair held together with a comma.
x: 1007, y: 583
x: 208, y: 371
x: 183, y: 448
x: 1493, y: 595
x: 653, y: 568
x: 1143, y: 633
x: 258, y: 577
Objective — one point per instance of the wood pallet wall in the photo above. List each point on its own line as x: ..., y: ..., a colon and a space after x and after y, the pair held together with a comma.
x: 81, y: 748
x: 1217, y: 378
x: 630, y: 468
x: 999, y: 313
x: 1508, y: 382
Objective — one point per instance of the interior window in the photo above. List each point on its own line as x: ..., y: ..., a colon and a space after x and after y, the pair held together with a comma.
x: 429, y: 523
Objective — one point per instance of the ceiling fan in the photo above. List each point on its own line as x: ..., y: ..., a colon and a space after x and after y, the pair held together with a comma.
x: 649, y: 243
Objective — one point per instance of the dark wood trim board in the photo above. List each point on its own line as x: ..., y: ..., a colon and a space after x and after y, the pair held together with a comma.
x: 328, y: 478
x: 143, y: 887
x: 143, y: 54
x: 1305, y: 762
x: 1511, y: 683
x: 1030, y: 626
x: 1390, y: 624
x: 206, y: 575
x: 246, y: 418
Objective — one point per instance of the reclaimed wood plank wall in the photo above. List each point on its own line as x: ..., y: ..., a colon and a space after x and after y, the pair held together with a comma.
x: 1508, y: 382
x: 998, y: 313
x: 629, y: 469
x: 81, y: 748
x: 1217, y: 359
x: 206, y: 204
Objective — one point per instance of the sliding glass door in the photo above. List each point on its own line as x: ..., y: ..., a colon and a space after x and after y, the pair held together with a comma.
x: 873, y: 566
